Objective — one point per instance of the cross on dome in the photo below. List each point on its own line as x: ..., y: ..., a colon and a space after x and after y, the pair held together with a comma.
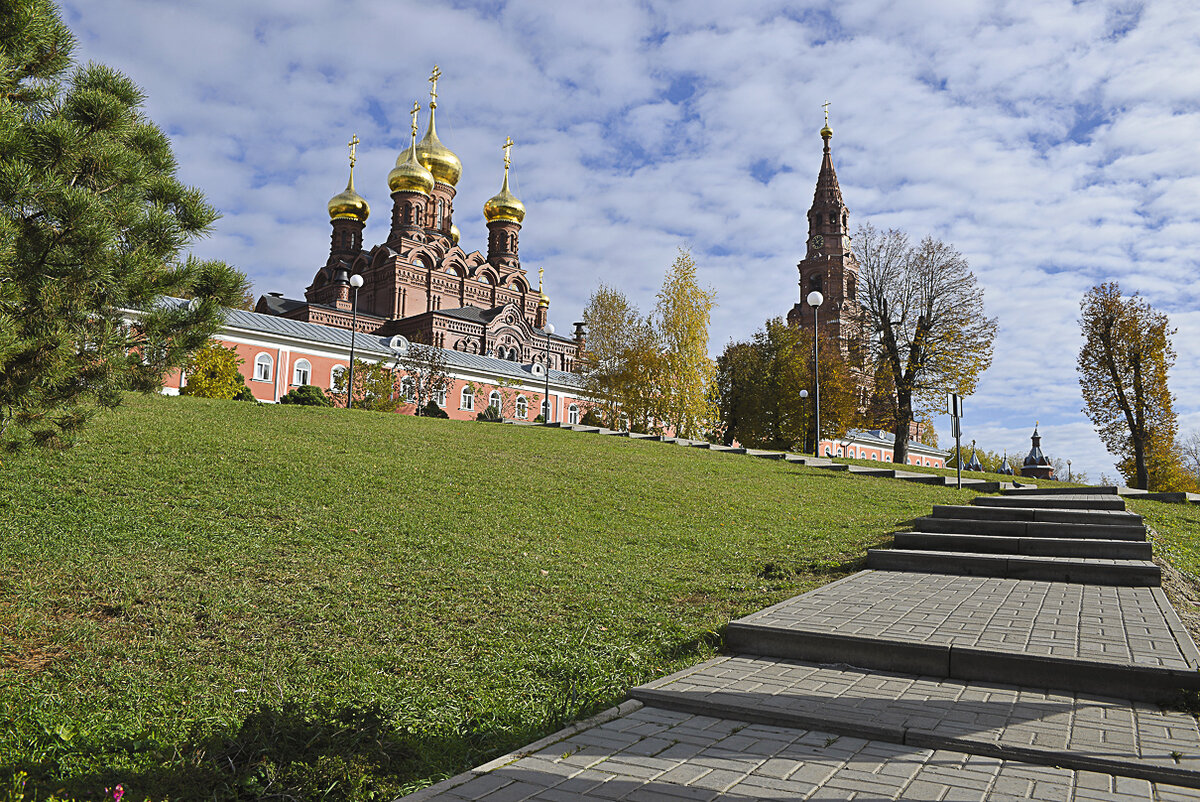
x: 353, y: 143
x: 433, y: 79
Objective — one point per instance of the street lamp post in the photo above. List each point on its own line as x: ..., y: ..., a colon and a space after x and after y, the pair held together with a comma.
x: 804, y: 397
x: 546, y: 398
x: 815, y: 299
x: 356, y: 281
x: 1068, y: 470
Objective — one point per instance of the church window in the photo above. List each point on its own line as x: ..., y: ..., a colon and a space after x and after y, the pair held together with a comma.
x: 263, y: 367
x: 522, y: 408
x: 301, y: 372
x: 573, y: 414
x: 494, y: 401
x: 545, y: 409
x: 441, y: 213
x: 337, y: 376
x: 408, y: 388
x: 814, y: 282
x: 466, y: 399
x: 832, y: 218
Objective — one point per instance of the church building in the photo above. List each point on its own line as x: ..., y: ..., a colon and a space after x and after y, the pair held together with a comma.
x: 420, y: 282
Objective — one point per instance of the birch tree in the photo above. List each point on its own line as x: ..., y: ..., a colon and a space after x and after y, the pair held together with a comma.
x: 683, y: 313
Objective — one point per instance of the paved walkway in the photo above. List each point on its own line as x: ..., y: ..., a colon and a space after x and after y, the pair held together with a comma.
x: 904, y: 684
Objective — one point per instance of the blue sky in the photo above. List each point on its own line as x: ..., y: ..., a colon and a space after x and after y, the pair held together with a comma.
x: 1053, y: 143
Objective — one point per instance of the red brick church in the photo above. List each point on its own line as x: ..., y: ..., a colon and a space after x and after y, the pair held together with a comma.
x: 420, y: 282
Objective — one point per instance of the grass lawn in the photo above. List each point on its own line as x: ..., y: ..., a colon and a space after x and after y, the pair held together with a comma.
x: 220, y: 600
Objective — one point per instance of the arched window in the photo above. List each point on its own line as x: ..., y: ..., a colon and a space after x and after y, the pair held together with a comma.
x: 440, y: 397
x: 301, y: 372
x: 466, y: 399
x: 573, y: 414
x: 494, y: 400
x: 408, y: 388
x: 337, y: 375
x: 545, y: 409
x: 522, y: 408
x: 264, y: 367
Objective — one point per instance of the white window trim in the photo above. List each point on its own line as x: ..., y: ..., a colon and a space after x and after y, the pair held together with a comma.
x: 264, y: 359
x: 522, y: 405
x: 573, y: 414
x: 296, y: 368
x: 333, y: 372
x: 466, y: 399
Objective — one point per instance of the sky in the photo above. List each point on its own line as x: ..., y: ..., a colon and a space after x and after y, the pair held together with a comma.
x: 1055, y: 144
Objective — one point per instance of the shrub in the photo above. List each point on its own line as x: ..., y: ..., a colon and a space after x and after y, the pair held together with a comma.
x: 490, y: 415
x: 307, y: 395
x: 432, y: 410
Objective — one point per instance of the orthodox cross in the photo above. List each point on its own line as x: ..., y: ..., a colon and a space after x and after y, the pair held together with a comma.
x: 825, y: 105
x: 433, y: 79
x: 353, y: 143
x: 541, y: 270
x: 506, y: 147
x: 416, y: 108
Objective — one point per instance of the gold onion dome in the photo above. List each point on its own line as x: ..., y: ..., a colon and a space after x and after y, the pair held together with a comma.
x: 826, y: 132
x: 544, y: 302
x: 455, y: 234
x: 437, y: 158
x: 349, y: 204
x: 504, y: 205
x: 409, y: 175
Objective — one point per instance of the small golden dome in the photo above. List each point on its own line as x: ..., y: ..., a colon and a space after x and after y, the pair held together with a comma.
x: 826, y: 132
x: 455, y: 234
x: 349, y: 204
x: 436, y: 157
x: 544, y: 301
x: 504, y: 205
x: 409, y: 175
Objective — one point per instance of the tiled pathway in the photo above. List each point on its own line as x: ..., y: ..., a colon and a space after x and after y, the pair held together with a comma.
x: 884, y: 686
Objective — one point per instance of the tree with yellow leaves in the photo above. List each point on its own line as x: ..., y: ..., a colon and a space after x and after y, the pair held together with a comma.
x: 683, y: 312
x: 1123, y: 368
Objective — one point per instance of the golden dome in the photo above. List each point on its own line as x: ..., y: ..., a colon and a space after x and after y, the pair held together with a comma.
x: 826, y: 132
x: 504, y: 205
x: 544, y: 302
x: 436, y: 157
x: 455, y: 234
x: 409, y: 175
x: 349, y: 204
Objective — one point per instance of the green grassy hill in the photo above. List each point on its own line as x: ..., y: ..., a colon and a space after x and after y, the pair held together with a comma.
x: 222, y: 600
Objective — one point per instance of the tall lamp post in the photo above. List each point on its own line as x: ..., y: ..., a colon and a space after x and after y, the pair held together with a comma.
x: 815, y: 299
x: 546, y: 398
x: 356, y: 281
x: 1069, y: 471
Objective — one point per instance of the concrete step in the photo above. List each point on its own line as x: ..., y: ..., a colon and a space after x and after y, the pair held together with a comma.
x: 965, y: 526
x: 1099, y: 490
x: 1045, y: 514
x: 1037, y: 725
x: 1052, y: 502
x: 1076, y: 570
x: 1030, y: 546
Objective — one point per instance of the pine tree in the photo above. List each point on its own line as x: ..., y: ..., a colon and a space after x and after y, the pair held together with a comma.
x: 93, y: 222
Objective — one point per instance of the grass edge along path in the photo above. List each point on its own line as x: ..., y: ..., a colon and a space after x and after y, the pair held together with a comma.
x: 257, y: 599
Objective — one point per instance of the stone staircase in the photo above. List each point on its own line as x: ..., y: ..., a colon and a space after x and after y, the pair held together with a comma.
x: 1016, y: 648
x: 1027, y: 538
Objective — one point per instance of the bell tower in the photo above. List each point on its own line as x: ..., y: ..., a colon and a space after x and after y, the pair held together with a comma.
x: 829, y: 265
